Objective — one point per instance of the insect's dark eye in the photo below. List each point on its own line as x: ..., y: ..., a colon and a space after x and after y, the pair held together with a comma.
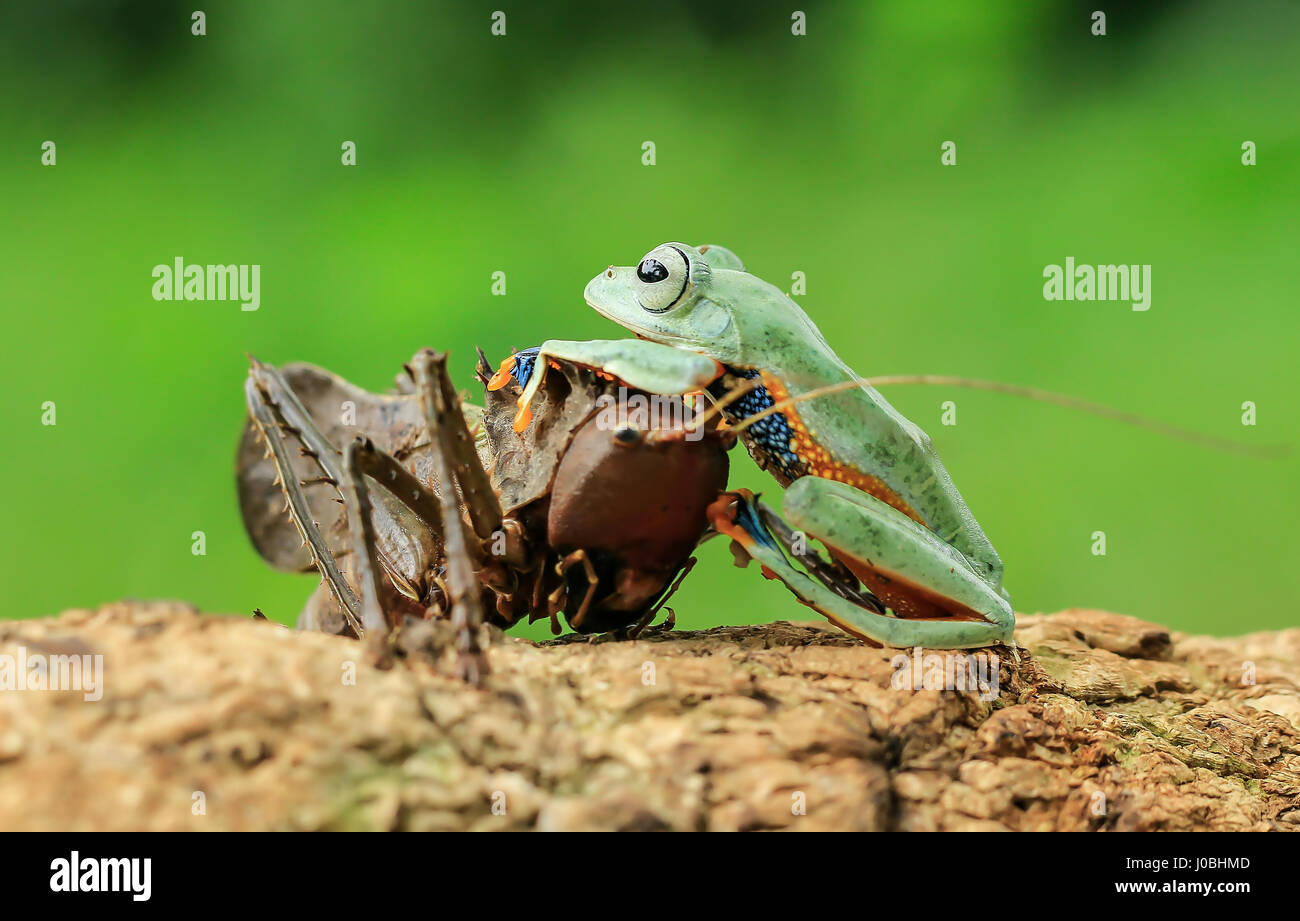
x: 627, y: 436
x: 651, y: 270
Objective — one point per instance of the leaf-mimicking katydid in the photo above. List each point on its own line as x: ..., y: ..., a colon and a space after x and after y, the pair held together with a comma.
x: 565, y: 517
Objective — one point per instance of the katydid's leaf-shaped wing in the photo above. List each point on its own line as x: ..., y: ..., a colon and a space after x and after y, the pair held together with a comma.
x: 341, y: 411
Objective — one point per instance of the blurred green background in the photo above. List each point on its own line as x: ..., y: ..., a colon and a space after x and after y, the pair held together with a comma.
x: 522, y: 154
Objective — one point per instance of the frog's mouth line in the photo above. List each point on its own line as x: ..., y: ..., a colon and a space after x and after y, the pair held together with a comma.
x: 639, y: 331
x: 644, y: 333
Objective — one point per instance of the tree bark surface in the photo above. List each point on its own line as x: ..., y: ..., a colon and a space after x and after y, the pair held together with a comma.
x: 206, y: 723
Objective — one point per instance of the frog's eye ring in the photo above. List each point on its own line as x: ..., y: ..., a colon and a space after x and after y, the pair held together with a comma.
x: 664, y: 274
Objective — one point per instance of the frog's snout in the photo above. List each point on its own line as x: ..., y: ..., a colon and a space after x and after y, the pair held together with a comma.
x: 608, y: 290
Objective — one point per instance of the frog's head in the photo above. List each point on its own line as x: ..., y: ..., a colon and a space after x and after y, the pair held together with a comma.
x: 677, y: 295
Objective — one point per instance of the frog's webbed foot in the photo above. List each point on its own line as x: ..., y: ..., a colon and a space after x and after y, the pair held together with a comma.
x: 905, y: 567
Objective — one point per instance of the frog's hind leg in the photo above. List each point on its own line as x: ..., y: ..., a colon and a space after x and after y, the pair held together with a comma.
x: 835, y: 576
x: 739, y: 517
x: 917, y: 574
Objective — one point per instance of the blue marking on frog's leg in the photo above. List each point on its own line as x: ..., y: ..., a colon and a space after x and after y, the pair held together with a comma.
x: 525, y: 361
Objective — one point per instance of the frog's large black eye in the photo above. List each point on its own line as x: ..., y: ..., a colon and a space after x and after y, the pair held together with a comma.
x: 651, y: 270
x: 668, y: 264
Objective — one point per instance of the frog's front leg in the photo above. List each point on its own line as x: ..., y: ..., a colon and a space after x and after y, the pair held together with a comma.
x: 640, y: 364
x: 939, y: 599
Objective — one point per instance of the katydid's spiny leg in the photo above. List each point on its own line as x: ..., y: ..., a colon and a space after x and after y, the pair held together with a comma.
x: 314, y: 443
x: 267, y: 417
x: 461, y: 561
x: 914, y: 571
x: 365, y: 552
x: 743, y: 522
x: 481, y: 500
x: 556, y: 599
x: 671, y: 620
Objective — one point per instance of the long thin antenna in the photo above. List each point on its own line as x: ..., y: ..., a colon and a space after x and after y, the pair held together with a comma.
x: 1033, y: 393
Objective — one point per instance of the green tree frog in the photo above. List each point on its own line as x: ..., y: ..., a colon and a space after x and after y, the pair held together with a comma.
x: 859, y: 477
